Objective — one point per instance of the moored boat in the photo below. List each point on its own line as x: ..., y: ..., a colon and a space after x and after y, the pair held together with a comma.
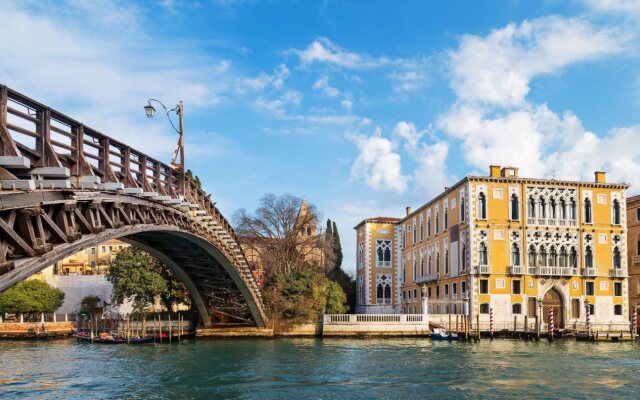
x: 443, y: 334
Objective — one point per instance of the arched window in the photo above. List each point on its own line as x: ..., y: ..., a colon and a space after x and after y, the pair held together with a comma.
x: 563, y: 257
x: 421, y: 265
x: 482, y: 206
x: 543, y: 208
x: 515, y: 207
x: 463, y: 288
x: 438, y: 263
x: 587, y: 211
x: 573, y: 215
x: 616, y: 258
x: 387, y: 293
x: 429, y: 263
x: 483, y: 254
x: 515, y: 254
x: 553, y: 257
x: 542, y: 257
x: 552, y: 208
x: 308, y: 231
x: 429, y: 226
x: 532, y: 256
x: 415, y: 263
x: 573, y: 258
x: 437, y: 222
x: 462, y: 210
x: 516, y: 308
x: 531, y: 207
x: 446, y: 218
x: 616, y: 212
x: 588, y: 257
x: 380, y: 293
x: 563, y: 209
x: 446, y: 262
x: 421, y: 228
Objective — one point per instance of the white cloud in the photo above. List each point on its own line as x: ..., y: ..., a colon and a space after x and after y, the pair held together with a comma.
x: 347, y: 104
x: 322, y: 84
x: 378, y: 163
x: 322, y: 50
x: 614, y: 6
x: 497, y: 69
x: 408, y: 132
x: 264, y: 80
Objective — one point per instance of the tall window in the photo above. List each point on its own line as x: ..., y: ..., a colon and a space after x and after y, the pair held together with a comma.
x: 515, y: 254
x: 429, y: 263
x: 383, y: 253
x: 563, y: 257
x: 437, y: 221
x: 462, y: 210
x: 531, y: 207
x: 483, y: 255
x: 573, y: 215
x: 563, y: 209
x: 446, y: 218
x: 587, y: 211
x: 616, y: 212
x: 421, y: 265
x: 360, y: 254
x: 429, y: 226
x: 542, y: 257
x: 515, y: 207
x: 421, y: 228
x: 438, y: 263
x: 552, y: 208
x: 588, y: 257
x: 463, y: 257
x: 532, y: 256
x: 446, y: 262
x: 573, y: 258
x: 553, y: 257
x: 543, y: 208
x: 414, y: 232
x: 463, y: 287
x: 616, y: 258
x: 482, y: 206
x: 415, y: 264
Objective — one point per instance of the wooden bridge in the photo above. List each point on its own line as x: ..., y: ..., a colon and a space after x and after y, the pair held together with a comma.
x: 65, y: 187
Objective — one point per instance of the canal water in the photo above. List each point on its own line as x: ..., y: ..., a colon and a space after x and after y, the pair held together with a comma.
x: 321, y: 369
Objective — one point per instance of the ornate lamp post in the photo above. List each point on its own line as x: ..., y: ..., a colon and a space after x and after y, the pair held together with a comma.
x: 179, y: 151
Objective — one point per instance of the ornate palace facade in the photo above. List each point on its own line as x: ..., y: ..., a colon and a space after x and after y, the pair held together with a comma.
x: 517, y: 246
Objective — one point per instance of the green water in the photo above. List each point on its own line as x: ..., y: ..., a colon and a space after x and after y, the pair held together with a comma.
x: 321, y: 369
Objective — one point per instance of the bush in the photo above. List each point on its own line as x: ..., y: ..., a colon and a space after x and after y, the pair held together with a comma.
x: 32, y: 296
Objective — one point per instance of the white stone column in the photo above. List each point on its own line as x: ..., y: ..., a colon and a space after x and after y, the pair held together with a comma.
x: 425, y: 300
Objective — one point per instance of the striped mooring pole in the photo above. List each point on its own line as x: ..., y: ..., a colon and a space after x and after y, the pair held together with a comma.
x: 551, y: 325
x: 588, y: 321
x: 634, y: 329
x: 491, y: 322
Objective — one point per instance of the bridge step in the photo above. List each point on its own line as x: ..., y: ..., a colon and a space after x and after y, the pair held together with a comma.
x: 53, y: 184
x: 111, y: 186
x: 163, y: 198
x: 51, y: 172
x: 132, y: 190
x: 85, y: 182
x: 17, y: 184
x: 10, y: 162
x: 149, y: 194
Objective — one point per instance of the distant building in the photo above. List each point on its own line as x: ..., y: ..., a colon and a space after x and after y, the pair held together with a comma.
x: 633, y: 249
x: 513, y: 245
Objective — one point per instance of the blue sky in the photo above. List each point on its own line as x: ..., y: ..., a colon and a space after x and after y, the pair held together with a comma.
x: 360, y: 107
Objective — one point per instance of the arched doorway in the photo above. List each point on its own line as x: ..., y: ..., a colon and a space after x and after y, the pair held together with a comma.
x: 553, y: 301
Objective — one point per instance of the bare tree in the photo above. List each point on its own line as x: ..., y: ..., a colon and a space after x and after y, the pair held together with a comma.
x: 283, y: 232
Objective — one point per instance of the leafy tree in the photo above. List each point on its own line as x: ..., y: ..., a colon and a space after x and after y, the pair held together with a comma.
x: 302, y: 296
x: 337, y: 246
x: 32, y: 296
x: 139, y: 277
x: 348, y: 285
x: 194, y: 178
x: 89, y: 303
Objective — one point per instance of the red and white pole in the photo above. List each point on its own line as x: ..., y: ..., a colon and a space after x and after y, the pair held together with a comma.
x: 491, y: 322
x: 551, y: 324
x: 635, y: 321
x: 588, y: 320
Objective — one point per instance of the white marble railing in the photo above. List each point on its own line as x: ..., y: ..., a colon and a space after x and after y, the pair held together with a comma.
x: 427, y: 278
x: 336, y: 319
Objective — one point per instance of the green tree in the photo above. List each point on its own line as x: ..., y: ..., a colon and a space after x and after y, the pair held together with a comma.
x: 194, y: 178
x: 32, y: 296
x: 337, y: 246
x: 139, y: 277
x: 89, y: 303
x: 335, y: 298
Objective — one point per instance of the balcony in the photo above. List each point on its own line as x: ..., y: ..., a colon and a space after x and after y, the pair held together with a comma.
x: 636, y: 259
x: 482, y: 269
x: 551, y: 221
x: 557, y: 271
x: 618, y: 273
x: 516, y: 270
x: 383, y: 264
x: 593, y: 271
x: 427, y: 278
x: 532, y: 271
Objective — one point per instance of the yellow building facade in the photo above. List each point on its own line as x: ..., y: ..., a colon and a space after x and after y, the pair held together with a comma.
x: 517, y: 247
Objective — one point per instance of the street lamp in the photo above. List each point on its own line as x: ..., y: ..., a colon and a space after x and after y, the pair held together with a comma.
x: 179, y: 151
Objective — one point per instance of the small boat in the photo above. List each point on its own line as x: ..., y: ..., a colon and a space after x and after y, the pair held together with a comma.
x: 106, y: 338
x: 443, y: 334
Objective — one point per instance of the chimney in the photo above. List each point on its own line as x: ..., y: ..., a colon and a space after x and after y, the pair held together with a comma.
x: 408, y: 210
x: 494, y: 171
x: 509, y: 172
x: 601, y: 176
